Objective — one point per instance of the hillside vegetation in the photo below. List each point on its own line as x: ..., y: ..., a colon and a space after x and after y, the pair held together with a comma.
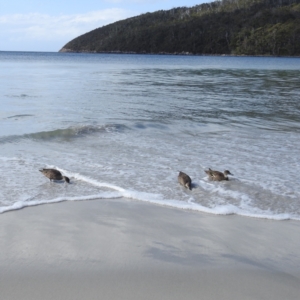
x: 238, y: 27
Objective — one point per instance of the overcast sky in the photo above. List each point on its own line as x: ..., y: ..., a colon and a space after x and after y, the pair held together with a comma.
x: 47, y: 25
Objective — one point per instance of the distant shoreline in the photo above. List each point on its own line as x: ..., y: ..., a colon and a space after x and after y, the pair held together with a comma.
x: 146, y: 53
x: 63, y: 50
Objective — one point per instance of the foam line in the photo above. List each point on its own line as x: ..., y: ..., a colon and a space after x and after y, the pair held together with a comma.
x: 158, y: 199
x: 228, y: 209
x: 23, y: 204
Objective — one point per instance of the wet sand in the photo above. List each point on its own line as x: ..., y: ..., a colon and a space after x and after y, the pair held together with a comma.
x: 125, y: 249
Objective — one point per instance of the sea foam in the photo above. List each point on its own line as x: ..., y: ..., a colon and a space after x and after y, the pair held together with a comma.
x: 158, y: 199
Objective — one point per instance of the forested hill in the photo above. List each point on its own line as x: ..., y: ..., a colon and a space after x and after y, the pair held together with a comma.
x: 238, y: 27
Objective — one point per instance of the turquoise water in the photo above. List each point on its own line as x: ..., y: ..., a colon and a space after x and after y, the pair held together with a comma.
x: 124, y: 125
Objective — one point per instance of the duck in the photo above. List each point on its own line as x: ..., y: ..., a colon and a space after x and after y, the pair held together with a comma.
x: 185, y: 180
x: 54, y: 174
x: 217, y: 175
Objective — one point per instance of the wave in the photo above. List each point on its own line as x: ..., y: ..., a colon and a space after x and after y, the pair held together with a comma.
x: 158, y: 199
x: 20, y: 116
x: 65, y: 133
x: 20, y: 96
x: 75, y: 132
x: 22, y: 204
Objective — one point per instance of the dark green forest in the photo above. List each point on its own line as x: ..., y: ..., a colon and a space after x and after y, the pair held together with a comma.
x: 232, y: 27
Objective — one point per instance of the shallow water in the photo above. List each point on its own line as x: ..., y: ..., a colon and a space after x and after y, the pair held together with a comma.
x: 124, y: 125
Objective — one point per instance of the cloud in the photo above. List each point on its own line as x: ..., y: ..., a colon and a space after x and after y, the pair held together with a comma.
x: 26, y: 28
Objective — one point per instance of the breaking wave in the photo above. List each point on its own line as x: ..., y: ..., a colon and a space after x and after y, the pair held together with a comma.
x: 66, y: 134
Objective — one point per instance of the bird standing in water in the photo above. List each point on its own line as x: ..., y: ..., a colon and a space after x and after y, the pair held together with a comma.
x: 53, y: 174
x: 185, y: 180
x: 217, y: 175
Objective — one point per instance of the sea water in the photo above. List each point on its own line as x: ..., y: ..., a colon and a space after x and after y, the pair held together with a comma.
x: 125, y: 125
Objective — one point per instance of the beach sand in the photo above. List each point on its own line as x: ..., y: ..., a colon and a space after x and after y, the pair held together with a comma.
x: 126, y: 249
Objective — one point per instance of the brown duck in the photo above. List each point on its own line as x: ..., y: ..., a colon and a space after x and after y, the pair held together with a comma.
x: 216, y: 175
x: 185, y: 180
x: 53, y: 174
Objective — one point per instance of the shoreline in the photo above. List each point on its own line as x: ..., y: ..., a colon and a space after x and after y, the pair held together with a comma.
x: 183, y: 206
x: 147, y: 54
x: 63, y: 50
x: 127, y: 249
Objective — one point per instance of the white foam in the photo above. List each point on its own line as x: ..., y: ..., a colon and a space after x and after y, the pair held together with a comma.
x: 155, y: 198
x: 23, y: 204
x: 6, y: 159
x: 218, y: 210
x: 123, y: 192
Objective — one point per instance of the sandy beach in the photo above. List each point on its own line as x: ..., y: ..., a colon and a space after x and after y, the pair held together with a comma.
x: 121, y: 249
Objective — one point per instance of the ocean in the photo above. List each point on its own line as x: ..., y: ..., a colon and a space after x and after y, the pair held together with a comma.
x: 125, y: 125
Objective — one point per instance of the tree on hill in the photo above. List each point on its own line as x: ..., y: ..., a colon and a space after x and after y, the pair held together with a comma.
x: 241, y: 27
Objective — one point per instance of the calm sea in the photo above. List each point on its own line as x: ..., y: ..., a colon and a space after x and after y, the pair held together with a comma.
x: 124, y: 125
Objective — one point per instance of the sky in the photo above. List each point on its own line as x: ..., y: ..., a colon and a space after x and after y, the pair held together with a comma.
x: 47, y: 25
